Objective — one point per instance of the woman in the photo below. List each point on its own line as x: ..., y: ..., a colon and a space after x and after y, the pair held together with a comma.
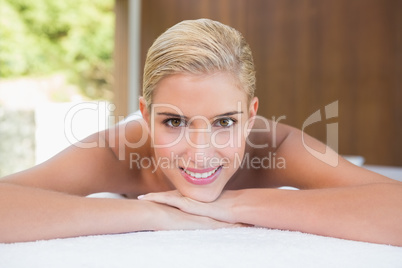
x: 196, y: 160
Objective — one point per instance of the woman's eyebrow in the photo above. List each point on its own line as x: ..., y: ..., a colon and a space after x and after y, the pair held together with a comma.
x: 228, y: 114
x: 186, y: 118
x: 173, y: 115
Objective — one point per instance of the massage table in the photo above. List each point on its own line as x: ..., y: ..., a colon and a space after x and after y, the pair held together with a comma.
x: 235, y: 247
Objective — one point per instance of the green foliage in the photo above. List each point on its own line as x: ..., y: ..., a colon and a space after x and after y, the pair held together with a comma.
x: 46, y: 36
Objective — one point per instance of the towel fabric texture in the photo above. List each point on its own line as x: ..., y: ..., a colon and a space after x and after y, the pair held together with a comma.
x: 237, y: 247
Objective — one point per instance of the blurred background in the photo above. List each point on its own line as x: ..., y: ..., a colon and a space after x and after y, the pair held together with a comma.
x: 308, y: 54
x: 53, y: 55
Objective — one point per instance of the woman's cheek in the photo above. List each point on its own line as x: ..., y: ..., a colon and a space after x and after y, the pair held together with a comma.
x: 171, y: 148
x: 167, y: 139
x: 228, y: 138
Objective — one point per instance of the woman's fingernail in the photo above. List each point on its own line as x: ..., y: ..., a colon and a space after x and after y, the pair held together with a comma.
x: 140, y: 196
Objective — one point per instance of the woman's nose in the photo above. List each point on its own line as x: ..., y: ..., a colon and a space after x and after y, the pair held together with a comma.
x: 199, y: 143
x: 198, y: 138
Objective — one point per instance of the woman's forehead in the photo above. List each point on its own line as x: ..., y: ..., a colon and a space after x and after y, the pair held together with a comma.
x: 212, y: 94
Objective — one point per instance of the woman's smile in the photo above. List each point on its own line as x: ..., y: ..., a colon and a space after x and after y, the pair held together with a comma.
x: 201, y: 176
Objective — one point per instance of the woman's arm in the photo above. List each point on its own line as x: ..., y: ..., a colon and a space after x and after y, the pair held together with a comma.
x: 77, y: 171
x: 29, y: 214
x: 371, y: 213
x: 48, y: 201
x: 343, y: 201
x: 303, y: 170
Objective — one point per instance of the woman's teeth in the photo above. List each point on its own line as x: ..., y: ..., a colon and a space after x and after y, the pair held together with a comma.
x: 201, y: 175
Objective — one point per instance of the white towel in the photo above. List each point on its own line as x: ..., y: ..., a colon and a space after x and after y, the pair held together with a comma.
x: 238, y: 247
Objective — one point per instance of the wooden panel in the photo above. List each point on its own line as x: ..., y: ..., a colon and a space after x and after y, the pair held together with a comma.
x: 316, y: 52
x: 309, y: 53
x: 120, y: 83
x: 158, y: 15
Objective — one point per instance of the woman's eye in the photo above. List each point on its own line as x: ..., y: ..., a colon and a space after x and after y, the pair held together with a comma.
x: 225, y: 122
x: 174, y: 122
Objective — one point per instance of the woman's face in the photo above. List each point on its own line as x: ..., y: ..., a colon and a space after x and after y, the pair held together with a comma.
x: 198, y: 125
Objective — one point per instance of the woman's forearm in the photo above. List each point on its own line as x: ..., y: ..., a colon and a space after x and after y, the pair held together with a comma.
x: 371, y: 213
x: 29, y: 214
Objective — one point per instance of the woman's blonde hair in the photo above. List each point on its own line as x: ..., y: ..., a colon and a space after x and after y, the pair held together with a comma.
x: 200, y: 46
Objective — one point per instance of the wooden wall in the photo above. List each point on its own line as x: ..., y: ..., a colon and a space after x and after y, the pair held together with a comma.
x: 309, y: 53
x: 121, y: 59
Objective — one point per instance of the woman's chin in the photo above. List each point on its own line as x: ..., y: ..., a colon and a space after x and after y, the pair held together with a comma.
x: 204, y: 196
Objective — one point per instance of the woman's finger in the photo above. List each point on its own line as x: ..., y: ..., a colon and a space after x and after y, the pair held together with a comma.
x: 175, y: 199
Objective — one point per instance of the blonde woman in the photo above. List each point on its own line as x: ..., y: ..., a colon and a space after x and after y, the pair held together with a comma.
x: 198, y: 158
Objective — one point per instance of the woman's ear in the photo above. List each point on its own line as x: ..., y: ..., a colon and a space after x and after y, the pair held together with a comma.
x: 252, y: 112
x: 144, y: 110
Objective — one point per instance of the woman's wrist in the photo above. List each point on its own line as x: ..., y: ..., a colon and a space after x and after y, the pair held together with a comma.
x: 255, y: 206
x: 118, y: 215
x: 242, y: 209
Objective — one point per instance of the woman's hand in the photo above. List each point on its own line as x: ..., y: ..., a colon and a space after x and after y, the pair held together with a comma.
x: 221, y: 209
x: 167, y: 217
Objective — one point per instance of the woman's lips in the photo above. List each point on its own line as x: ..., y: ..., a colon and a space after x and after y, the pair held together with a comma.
x: 204, y: 170
x: 201, y: 176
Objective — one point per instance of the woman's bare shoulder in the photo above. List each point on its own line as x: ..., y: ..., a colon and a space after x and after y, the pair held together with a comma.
x: 101, y: 162
x: 129, y: 138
